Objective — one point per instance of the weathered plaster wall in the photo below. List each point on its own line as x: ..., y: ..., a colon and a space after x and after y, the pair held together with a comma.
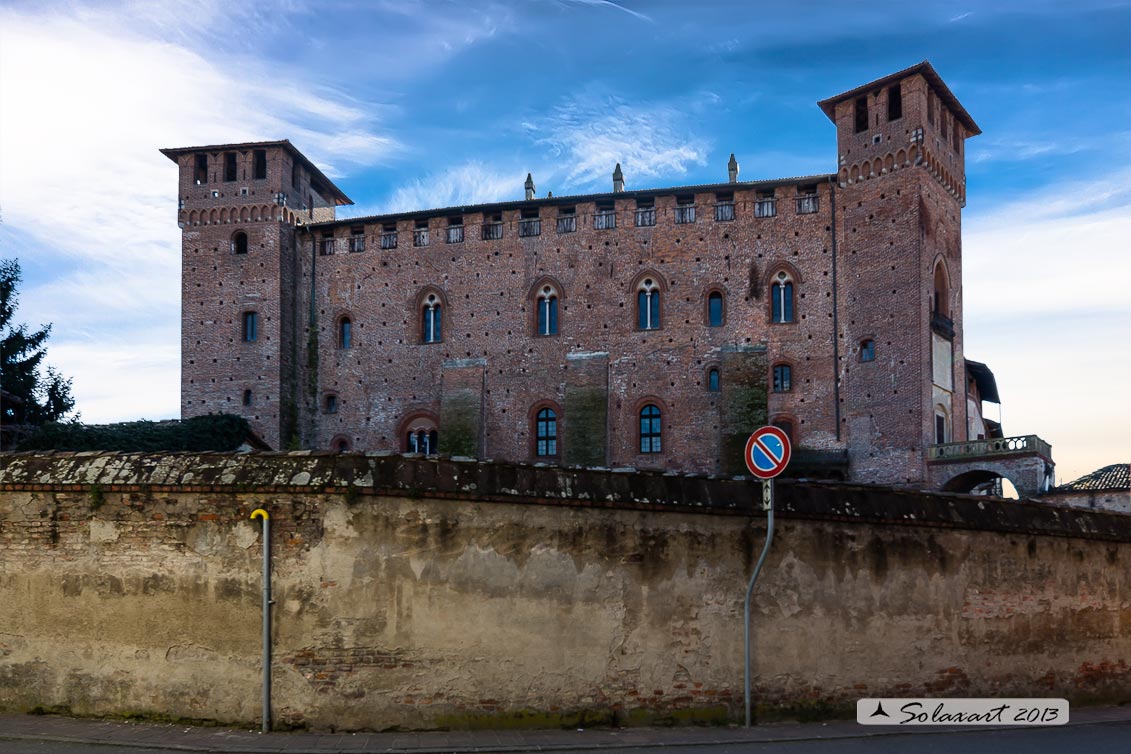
x: 424, y: 592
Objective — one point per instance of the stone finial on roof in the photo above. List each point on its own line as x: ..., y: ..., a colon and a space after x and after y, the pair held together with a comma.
x: 529, y: 186
x: 732, y: 169
x: 618, y: 179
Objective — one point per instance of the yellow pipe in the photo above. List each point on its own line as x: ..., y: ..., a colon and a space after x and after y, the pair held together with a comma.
x: 260, y: 513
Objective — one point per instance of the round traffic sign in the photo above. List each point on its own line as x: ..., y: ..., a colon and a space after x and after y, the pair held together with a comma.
x: 767, y: 452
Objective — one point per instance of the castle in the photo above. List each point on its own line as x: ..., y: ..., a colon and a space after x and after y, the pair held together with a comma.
x: 644, y: 328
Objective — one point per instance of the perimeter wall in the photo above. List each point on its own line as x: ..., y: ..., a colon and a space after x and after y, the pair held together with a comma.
x: 422, y: 593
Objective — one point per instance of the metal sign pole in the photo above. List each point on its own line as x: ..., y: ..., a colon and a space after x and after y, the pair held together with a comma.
x: 260, y: 513
x: 768, y: 506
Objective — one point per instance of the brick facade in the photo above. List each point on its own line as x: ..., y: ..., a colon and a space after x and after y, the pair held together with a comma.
x: 859, y: 248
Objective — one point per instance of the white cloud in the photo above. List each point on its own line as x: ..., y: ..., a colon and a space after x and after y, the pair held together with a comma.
x: 592, y: 133
x: 84, y: 106
x: 470, y: 183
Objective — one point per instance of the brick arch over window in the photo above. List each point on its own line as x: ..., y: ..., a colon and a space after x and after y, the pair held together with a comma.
x: 344, y: 335
x: 431, y: 316
x: 647, y: 294
x: 419, y: 432
x: 545, y: 309
x: 341, y: 443
x: 239, y: 242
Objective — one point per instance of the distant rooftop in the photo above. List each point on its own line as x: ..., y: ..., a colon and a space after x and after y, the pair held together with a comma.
x: 1109, y: 478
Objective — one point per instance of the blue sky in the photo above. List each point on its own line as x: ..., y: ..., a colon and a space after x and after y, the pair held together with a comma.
x: 409, y: 105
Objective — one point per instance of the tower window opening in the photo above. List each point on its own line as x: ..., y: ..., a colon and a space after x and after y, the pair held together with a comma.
x: 200, y: 172
x: 861, y: 114
x: 259, y: 164
x: 229, y: 167
x: 895, y: 102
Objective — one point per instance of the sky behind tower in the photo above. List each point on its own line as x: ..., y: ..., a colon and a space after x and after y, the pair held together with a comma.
x: 411, y: 104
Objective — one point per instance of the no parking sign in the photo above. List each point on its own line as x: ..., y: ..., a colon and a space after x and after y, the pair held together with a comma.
x: 767, y: 452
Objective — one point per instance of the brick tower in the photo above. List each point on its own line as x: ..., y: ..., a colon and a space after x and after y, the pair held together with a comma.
x: 240, y: 206
x: 902, y: 189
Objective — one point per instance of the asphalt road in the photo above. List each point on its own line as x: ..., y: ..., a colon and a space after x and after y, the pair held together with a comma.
x: 1113, y: 738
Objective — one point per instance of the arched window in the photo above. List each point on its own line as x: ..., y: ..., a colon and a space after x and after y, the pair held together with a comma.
x: 422, y: 441
x: 432, y: 320
x: 547, y: 311
x: 783, y: 378
x: 239, y: 242
x: 940, y: 304
x: 781, y: 298
x: 345, y: 333
x: 247, y: 397
x: 868, y: 350
x: 250, y: 327
x: 715, y: 309
x: 648, y: 305
x: 650, y: 429
x: 713, y: 380
x: 546, y: 433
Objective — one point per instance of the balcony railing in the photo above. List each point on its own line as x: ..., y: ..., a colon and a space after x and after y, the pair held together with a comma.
x: 567, y: 224
x: 420, y: 237
x: 808, y: 204
x: 942, y: 324
x: 492, y: 231
x: 765, y: 208
x: 724, y: 212
x: 389, y: 240
x: 455, y: 234
x: 645, y: 218
x: 531, y: 226
x: 357, y: 243
x: 999, y: 446
x: 684, y: 214
x: 605, y: 221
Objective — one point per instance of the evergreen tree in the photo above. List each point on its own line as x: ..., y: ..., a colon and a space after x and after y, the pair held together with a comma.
x: 32, y: 395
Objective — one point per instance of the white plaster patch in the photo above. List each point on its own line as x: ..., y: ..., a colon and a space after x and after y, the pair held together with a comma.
x: 245, y: 534
x: 102, y: 532
x: 337, y: 522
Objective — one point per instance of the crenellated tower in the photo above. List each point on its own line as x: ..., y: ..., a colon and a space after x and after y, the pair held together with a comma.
x: 901, y: 189
x: 240, y: 206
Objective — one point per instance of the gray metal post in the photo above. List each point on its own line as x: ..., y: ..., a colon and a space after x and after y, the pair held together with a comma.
x: 768, y: 506
x: 260, y: 513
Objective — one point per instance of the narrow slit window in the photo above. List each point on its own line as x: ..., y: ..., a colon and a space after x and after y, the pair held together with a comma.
x: 715, y: 309
x: 260, y: 160
x: 861, y: 114
x: 229, y: 167
x: 895, y: 102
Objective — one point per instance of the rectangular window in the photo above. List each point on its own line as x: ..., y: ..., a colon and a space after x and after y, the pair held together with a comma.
x: 229, y: 167
x: 493, y: 227
x: 944, y: 121
x: 868, y: 350
x: 605, y: 217
x: 455, y: 230
x: 861, y: 114
x: 931, y: 108
x: 807, y: 202
x: 645, y: 213
x: 530, y: 224
x: 296, y: 175
x: 724, y: 207
x: 567, y: 220
x: 783, y: 378
x: 260, y: 164
x: 389, y: 236
x: 956, y: 131
x: 895, y: 102
x: 200, y: 171
x: 326, y: 245
x: 684, y: 210
x: 940, y: 429
x: 250, y: 327
x: 765, y: 205
x: 420, y: 233
x: 357, y: 239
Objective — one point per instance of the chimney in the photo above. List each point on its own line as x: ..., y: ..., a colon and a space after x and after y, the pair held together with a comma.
x: 618, y: 180
x: 529, y: 186
x: 732, y: 169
